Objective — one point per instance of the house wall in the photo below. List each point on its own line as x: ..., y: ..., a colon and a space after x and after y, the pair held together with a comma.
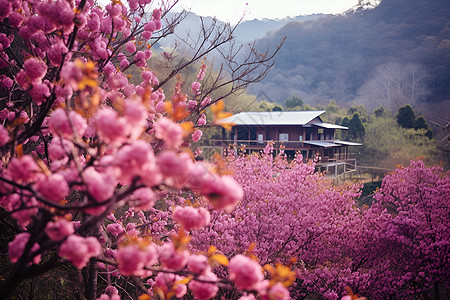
x: 272, y: 132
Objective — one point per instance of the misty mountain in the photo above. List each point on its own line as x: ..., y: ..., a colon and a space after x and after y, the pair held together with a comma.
x: 335, y: 57
x: 251, y: 30
x: 246, y: 32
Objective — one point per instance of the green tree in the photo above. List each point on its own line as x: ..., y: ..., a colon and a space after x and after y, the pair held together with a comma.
x: 406, y: 117
x: 386, y: 144
x: 293, y: 101
x: 356, y: 129
x: 420, y: 123
x: 345, y: 121
x: 332, y: 107
x: 379, y: 112
x: 360, y: 110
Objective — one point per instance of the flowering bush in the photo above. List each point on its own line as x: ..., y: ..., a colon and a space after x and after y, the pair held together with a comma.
x: 399, y: 247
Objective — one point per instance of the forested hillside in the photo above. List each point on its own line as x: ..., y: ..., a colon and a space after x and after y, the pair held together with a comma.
x: 351, y: 57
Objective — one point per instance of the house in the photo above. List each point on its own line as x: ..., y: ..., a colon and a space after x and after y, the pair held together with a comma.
x: 293, y: 131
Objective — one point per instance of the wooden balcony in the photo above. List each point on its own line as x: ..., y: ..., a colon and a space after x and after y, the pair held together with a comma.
x: 327, y: 153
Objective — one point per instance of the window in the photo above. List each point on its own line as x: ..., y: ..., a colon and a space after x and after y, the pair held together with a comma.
x: 320, y: 134
x: 260, y: 138
x: 283, y: 137
x: 308, y: 134
x: 300, y: 138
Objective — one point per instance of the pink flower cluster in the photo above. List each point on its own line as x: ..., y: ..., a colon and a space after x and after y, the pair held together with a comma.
x: 205, y: 289
x: 134, y: 258
x: 245, y: 272
x: 17, y: 247
x: 58, y: 230
x: 168, y: 131
x: 66, y: 124
x: 173, y: 258
x: 191, y: 218
x: 78, y: 250
x: 168, y: 282
x: 53, y: 187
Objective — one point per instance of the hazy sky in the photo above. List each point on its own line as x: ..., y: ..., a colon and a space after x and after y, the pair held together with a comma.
x: 233, y: 10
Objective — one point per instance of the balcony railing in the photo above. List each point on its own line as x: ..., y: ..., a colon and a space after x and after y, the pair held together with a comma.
x: 259, y: 144
x: 289, y: 145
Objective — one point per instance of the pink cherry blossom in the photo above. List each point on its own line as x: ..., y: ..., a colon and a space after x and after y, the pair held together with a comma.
x: 100, y: 186
x: 35, y: 69
x: 110, y: 127
x: 17, y: 246
x: 59, y: 123
x: 167, y: 282
x: 58, y: 230
x: 6, y: 82
x: 15, y: 19
x: 224, y: 193
x: 169, y: 132
x: 108, y: 297
x: 131, y: 47
x: 201, y: 73
x: 277, y: 292
x: 172, y: 258
x: 137, y: 160
x: 78, y: 250
x: 248, y: 297
x: 56, y: 53
x: 59, y: 148
x: 133, y: 259
x: 39, y: 93
x: 23, y: 169
x: 136, y: 116
x: 198, y: 264
x: 4, y: 135
x: 72, y: 75
x: 197, y: 135
x: 195, y: 88
x: 172, y: 163
x: 145, y: 198
x: 5, y: 8
x: 124, y: 64
x: 115, y: 229
x: 191, y: 218
x: 204, y: 290
x: 245, y: 272
x: 53, y: 187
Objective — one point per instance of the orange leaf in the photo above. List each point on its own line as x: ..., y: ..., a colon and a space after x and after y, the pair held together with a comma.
x: 251, y: 247
x: 181, y: 239
x: 168, y: 107
x: 220, y: 258
x: 19, y: 150
x: 144, y: 297
x: 185, y: 280
x: 212, y: 250
x: 269, y: 268
x: 217, y: 107
x: 188, y: 127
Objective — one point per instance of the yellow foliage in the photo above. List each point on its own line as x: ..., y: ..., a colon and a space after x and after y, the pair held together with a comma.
x: 144, y: 297
x: 181, y: 239
x: 220, y: 258
x: 217, y: 110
